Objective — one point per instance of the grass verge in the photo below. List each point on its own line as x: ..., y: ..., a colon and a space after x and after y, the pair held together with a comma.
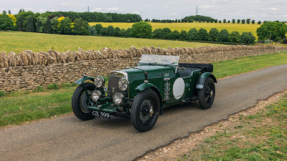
x: 17, y: 108
x: 256, y: 137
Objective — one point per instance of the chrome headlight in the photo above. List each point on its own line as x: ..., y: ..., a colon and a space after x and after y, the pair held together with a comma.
x: 123, y: 84
x: 118, y: 98
x: 99, y: 81
x: 95, y: 95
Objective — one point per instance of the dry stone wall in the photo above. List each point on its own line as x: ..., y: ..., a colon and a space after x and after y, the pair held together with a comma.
x: 27, y: 70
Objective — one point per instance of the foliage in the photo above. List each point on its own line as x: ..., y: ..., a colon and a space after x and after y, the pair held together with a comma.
x: 6, y: 23
x: 183, y: 35
x: 116, y: 31
x: 104, y: 31
x: 198, y: 18
x: 99, y: 27
x: 48, y: 26
x: 53, y: 86
x: 142, y: 29
x: 122, y: 33
x: 202, y: 34
x: 248, y: 21
x: 243, y: 21
x: 273, y: 29
x: 99, y: 17
x: 92, y: 30
x: 277, y: 39
x: 110, y: 31
x: 253, y: 21
x: 2, y: 93
x: 64, y: 25
x: 247, y: 38
x: 212, y: 36
x: 13, y: 19
x: 259, y: 22
x: 128, y: 32
x: 157, y: 33
x: 234, y: 36
x: 233, y: 20
x: 224, y: 20
x: 30, y: 24
x: 20, y: 21
x: 80, y: 27
x: 192, y: 34
x: 238, y: 21
x: 223, y: 36
x: 165, y: 33
x: 174, y: 35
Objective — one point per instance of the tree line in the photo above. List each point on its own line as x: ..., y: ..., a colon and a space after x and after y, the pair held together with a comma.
x: 99, y: 17
x: 205, y: 19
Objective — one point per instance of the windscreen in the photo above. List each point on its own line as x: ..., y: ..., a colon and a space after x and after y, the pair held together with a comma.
x: 159, y: 59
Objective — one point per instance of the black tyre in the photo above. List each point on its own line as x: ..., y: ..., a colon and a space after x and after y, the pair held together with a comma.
x: 145, y: 109
x: 80, y: 102
x: 207, y: 94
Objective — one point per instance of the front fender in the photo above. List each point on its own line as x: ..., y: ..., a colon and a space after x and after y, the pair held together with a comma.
x: 202, y: 78
x: 82, y: 80
x: 145, y: 86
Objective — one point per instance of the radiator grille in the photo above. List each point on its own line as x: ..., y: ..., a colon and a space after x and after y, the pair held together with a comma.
x: 113, y: 84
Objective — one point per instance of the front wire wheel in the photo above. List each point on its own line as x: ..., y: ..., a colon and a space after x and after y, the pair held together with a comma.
x: 144, y: 112
x: 80, y: 102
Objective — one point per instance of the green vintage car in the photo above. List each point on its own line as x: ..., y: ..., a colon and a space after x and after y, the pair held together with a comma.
x: 141, y: 93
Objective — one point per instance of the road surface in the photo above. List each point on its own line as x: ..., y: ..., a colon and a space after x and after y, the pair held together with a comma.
x: 67, y: 138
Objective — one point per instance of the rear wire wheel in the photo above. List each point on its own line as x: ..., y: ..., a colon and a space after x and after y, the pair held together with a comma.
x: 206, y: 95
x: 145, y: 109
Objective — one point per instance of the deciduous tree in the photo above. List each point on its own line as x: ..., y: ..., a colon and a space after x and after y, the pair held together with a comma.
x: 247, y: 38
x: 142, y: 30
x: 192, y: 34
x: 212, y: 36
x: 223, y: 36
x: 234, y: 36
x: 271, y: 29
x: 202, y: 34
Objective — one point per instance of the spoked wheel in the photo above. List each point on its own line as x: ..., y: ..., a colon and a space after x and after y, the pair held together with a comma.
x: 207, y: 94
x: 80, y: 102
x: 145, y: 108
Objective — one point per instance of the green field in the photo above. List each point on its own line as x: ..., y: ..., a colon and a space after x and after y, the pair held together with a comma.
x: 19, y: 41
x: 187, y: 26
x: 19, y: 107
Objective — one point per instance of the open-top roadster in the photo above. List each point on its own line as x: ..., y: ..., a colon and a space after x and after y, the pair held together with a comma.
x: 142, y: 92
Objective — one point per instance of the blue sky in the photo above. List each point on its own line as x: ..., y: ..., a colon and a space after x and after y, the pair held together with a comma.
x: 162, y: 9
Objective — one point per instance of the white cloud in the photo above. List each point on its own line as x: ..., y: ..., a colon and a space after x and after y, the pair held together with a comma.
x: 113, y: 9
x: 205, y: 6
x: 173, y: 13
x: 136, y: 12
x: 274, y: 9
x: 97, y: 9
x: 63, y: 4
x: 166, y: 6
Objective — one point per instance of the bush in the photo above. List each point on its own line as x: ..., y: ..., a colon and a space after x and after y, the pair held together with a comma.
x: 156, y: 33
x: 92, y: 30
x: 104, y: 31
x: 142, y: 30
x: 174, y: 35
x: 122, y: 32
x: 192, y: 34
x: 183, y: 35
x: 116, y: 31
x: 273, y: 29
x: 212, y: 34
x: 202, y: 34
x: 234, y: 36
x: 277, y: 39
x: 165, y: 33
x: 247, y: 38
x: 53, y: 86
x: 267, y: 41
x: 110, y: 30
x: 223, y: 36
x: 2, y: 93
x: 6, y: 23
x: 39, y: 89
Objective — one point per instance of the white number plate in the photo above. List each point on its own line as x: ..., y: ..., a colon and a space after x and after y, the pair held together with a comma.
x: 101, y: 114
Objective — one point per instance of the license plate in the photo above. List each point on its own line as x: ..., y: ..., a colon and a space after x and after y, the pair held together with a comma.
x: 101, y: 114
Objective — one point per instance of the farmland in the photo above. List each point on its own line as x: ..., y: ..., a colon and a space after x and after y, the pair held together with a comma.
x: 19, y: 41
x: 187, y: 26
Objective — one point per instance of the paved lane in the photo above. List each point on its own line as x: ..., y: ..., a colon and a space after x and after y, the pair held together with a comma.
x: 67, y: 138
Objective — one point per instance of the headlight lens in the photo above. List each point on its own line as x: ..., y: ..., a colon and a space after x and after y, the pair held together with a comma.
x: 99, y: 81
x: 118, y: 98
x: 123, y: 84
x: 96, y: 94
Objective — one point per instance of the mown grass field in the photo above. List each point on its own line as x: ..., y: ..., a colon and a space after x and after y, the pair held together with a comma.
x: 187, y: 26
x: 256, y: 137
x: 19, y: 107
x: 19, y: 41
